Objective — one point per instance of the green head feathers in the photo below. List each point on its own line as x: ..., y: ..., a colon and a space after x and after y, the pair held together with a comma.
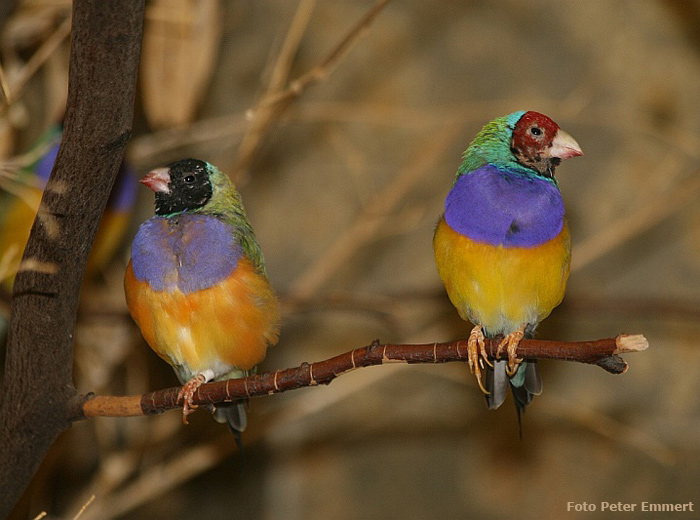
x: 524, y: 143
x: 226, y: 202
x: 492, y: 145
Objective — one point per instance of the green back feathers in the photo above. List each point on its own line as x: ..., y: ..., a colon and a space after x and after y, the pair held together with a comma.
x: 226, y: 203
x: 492, y: 145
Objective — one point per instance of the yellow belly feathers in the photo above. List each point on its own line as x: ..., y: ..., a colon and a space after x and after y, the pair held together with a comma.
x: 502, y: 288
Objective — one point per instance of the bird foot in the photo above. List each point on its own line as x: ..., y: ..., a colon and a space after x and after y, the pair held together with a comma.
x: 477, y: 355
x: 186, y: 393
x: 510, y: 344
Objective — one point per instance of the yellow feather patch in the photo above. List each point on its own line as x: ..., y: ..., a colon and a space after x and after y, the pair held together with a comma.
x: 16, y: 225
x: 502, y: 288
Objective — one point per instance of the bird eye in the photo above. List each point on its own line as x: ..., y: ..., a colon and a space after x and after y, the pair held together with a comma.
x: 189, y: 179
x: 535, y: 131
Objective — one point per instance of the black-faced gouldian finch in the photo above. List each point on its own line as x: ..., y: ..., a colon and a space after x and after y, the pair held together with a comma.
x: 196, y: 284
x: 503, y: 247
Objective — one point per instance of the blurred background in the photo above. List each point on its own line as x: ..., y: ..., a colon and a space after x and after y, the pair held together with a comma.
x: 343, y: 137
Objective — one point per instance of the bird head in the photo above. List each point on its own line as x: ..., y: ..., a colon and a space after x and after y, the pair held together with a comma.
x: 538, y: 143
x: 192, y: 185
x: 181, y: 186
x: 526, y: 142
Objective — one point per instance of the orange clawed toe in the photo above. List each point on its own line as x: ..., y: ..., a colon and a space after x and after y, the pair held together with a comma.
x: 510, y: 344
x: 186, y: 393
x: 478, y: 358
x: 477, y: 355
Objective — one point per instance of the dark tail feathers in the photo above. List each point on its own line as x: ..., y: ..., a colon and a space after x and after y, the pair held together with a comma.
x: 525, y: 385
x: 236, y: 418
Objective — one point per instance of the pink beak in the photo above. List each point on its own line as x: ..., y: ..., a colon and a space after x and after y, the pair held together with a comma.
x: 564, y: 146
x: 158, y: 180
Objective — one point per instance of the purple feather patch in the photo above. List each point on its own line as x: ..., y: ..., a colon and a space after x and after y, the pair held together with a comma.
x: 188, y: 252
x: 499, y: 207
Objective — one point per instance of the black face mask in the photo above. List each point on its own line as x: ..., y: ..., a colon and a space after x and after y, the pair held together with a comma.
x: 190, y: 188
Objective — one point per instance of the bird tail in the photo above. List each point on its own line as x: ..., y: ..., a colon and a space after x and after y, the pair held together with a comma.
x: 525, y: 384
x: 235, y: 416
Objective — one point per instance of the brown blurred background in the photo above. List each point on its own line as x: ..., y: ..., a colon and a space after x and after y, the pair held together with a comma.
x: 344, y: 179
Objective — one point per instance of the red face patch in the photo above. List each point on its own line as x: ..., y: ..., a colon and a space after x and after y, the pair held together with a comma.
x: 534, y: 133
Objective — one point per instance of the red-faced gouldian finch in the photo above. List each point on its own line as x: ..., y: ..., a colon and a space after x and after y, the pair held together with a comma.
x: 503, y: 247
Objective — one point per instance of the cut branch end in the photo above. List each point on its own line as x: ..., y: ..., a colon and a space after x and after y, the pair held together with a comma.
x: 630, y: 343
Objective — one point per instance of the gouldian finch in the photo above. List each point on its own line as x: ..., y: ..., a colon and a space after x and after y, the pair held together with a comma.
x: 503, y: 247
x: 22, y: 201
x: 196, y: 284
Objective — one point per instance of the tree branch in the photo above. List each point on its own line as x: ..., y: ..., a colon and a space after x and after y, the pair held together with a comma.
x: 602, y: 352
x: 37, y: 389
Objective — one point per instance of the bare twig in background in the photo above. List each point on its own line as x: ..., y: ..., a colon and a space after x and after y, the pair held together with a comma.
x: 326, y: 66
x: 156, y: 147
x: 5, y: 85
x: 609, y: 428
x: 373, y: 216
x: 290, y: 46
x: 647, y: 308
x: 84, y: 507
x: 634, y: 223
x: 148, y: 147
x: 603, y: 352
x: 161, y: 477
x: 264, y: 117
x: 268, y: 110
x: 179, y: 56
x: 16, y: 85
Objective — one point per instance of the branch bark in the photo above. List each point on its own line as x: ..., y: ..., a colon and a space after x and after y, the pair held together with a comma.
x: 602, y: 352
x: 38, y: 399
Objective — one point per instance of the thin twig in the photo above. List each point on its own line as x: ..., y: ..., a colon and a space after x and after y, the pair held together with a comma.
x: 5, y: 86
x: 603, y: 352
x: 280, y: 73
x: 84, y: 507
x: 610, y: 428
x: 162, y: 477
x: 373, y: 215
x: 268, y: 110
x: 158, y: 146
x: 326, y: 66
x: 42, y: 54
x: 290, y: 46
x: 634, y: 223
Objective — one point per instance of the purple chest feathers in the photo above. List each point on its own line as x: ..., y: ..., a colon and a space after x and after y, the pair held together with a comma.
x: 188, y: 252
x: 501, y: 208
